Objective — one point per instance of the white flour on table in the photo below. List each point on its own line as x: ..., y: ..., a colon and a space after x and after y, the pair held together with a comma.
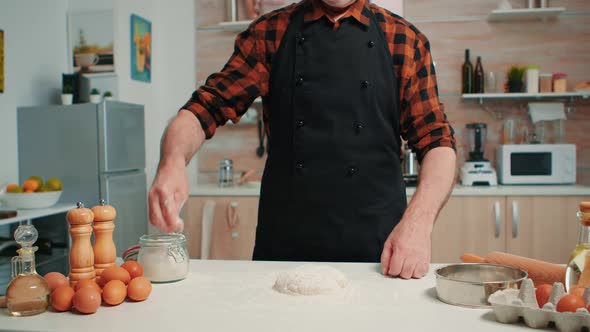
x: 311, y: 280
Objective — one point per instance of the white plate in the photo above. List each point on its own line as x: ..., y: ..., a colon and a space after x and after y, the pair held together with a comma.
x: 30, y: 200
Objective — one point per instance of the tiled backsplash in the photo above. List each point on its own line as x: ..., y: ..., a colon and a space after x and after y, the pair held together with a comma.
x: 451, y: 26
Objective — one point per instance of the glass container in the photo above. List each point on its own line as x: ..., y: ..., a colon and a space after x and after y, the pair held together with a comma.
x: 545, y: 83
x: 28, y: 293
x: 226, y: 173
x: 164, y: 257
x: 577, y: 273
x: 559, y: 82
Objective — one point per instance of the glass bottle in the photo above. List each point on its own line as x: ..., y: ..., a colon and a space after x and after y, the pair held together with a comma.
x: 478, y: 77
x: 467, y: 74
x: 578, y: 267
x: 28, y: 293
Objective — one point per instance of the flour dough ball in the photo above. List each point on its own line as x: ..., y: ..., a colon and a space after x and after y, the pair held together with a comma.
x: 311, y: 280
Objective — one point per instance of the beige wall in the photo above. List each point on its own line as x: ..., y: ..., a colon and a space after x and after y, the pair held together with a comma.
x: 451, y: 26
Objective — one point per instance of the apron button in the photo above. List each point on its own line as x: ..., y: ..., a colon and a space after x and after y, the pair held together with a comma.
x: 358, y: 127
x: 299, y: 168
x: 300, y: 123
x: 371, y: 44
x: 352, y: 170
x: 299, y: 81
x: 366, y: 84
x: 301, y: 40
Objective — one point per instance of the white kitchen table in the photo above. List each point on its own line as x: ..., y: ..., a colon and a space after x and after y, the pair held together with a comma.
x: 237, y: 296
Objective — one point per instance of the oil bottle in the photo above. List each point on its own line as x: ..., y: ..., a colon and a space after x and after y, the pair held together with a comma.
x: 28, y: 293
x: 578, y: 267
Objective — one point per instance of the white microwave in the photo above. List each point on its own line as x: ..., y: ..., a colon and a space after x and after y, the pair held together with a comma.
x: 536, y: 163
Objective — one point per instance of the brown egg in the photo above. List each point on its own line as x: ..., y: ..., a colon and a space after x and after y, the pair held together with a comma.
x: 87, y: 283
x: 114, y: 292
x: 61, y: 298
x: 56, y: 279
x: 114, y: 273
x: 134, y: 268
x: 139, y: 289
x: 87, y: 300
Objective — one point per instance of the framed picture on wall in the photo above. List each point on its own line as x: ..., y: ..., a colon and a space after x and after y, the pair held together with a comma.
x: 90, y: 38
x: 141, y: 49
x: 1, y: 61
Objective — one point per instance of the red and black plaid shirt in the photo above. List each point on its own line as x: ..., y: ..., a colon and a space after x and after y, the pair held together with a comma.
x: 228, y: 94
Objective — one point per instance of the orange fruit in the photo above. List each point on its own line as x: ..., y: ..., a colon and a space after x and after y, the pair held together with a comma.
x: 12, y: 187
x: 30, y: 185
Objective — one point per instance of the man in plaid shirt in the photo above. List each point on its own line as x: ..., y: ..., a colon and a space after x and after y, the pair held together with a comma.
x: 342, y: 82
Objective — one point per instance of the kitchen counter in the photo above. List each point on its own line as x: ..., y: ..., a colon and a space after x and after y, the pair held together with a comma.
x: 459, y: 190
x: 237, y: 296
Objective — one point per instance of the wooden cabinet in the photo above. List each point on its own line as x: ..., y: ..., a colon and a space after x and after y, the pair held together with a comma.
x: 468, y: 224
x: 232, y: 229
x: 540, y: 227
x: 544, y: 228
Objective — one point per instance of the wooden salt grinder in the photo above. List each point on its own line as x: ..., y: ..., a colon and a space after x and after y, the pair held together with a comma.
x: 81, y: 255
x: 105, y: 252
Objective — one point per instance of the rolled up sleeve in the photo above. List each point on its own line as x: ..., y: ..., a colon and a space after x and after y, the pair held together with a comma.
x: 424, y: 123
x: 228, y: 94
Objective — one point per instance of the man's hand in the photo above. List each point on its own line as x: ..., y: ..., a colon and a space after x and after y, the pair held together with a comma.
x: 168, y: 194
x: 406, y: 252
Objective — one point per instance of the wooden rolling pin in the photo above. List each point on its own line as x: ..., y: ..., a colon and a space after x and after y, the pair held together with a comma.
x: 540, y: 272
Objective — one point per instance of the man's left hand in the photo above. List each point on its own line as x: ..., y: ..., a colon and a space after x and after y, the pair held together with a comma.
x: 406, y: 252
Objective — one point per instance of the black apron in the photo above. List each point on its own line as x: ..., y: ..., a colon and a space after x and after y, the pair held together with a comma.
x: 332, y: 188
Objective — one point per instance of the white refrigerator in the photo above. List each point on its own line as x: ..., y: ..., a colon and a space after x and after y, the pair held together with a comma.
x: 98, y: 151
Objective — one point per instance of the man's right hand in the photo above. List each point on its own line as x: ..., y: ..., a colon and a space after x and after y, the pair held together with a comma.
x: 168, y: 194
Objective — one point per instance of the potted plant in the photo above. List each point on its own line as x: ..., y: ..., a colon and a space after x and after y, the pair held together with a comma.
x: 67, y: 95
x: 95, y: 96
x: 515, y: 75
x: 107, y: 95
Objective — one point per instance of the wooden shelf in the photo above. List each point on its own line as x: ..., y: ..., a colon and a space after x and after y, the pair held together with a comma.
x: 524, y: 95
x: 237, y: 26
x: 526, y: 14
x: 100, y: 74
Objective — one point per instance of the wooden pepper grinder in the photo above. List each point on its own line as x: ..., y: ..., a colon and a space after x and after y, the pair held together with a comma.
x: 81, y: 254
x: 105, y: 252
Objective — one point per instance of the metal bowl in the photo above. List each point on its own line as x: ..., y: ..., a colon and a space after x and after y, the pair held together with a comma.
x: 470, y: 285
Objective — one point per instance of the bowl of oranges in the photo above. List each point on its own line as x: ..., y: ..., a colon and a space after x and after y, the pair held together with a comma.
x: 34, y: 193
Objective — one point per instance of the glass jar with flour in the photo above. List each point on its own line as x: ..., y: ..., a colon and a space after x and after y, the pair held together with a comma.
x: 164, y: 257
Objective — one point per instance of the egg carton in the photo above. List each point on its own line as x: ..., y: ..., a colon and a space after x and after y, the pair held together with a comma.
x: 510, y: 305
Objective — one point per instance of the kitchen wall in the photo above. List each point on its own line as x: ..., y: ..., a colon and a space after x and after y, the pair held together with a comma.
x: 451, y: 26
x: 35, y: 58
x: 173, y: 65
